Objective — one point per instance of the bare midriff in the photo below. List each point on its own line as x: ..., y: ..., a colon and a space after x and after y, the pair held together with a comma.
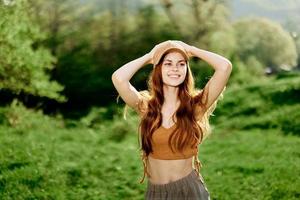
x: 166, y: 171
x: 162, y: 165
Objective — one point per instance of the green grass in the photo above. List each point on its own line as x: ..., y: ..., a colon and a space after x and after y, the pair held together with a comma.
x: 77, y: 163
x: 83, y: 163
x: 252, y: 164
x: 253, y: 152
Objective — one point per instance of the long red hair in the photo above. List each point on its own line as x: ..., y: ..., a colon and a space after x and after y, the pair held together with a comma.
x: 189, y: 115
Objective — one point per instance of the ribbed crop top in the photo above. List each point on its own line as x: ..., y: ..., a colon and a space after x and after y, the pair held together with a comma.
x: 161, y: 150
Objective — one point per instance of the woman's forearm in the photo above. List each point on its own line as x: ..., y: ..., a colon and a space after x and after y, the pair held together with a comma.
x: 126, y: 72
x: 216, y: 61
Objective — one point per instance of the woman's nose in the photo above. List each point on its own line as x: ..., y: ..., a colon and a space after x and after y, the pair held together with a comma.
x: 175, y: 67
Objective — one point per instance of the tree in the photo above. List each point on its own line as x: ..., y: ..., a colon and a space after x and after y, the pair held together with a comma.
x: 293, y: 27
x: 24, y: 65
x: 267, y: 41
x: 203, y: 23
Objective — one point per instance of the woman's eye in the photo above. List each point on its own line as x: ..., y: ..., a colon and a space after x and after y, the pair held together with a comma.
x: 168, y: 64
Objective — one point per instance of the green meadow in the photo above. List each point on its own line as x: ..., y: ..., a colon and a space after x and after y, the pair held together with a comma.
x: 62, y: 131
x: 252, y: 153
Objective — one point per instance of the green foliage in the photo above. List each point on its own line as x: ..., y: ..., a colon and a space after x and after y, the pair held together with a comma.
x: 267, y: 41
x: 94, y: 117
x: 58, y: 163
x: 218, y: 37
x: 119, y: 32
x: 272, y: 104
x: 24, y: 64
x: 254, y: 164
x: 53, y: 161
x: 297, y: 41
x: 121, y: 129
x: 117, y: 36
x: 247, y: 71
x: 17, y: 116
x: 201, y: 72
x: 98, y: 115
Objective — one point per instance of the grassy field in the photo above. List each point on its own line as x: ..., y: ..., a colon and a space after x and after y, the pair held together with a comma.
x: 83, y: 163
x: 254, y: 157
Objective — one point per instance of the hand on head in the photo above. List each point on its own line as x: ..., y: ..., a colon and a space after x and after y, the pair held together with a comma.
x: 185, y: 46
x: 160, y: 48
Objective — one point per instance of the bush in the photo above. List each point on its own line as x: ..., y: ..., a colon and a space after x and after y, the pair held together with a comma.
x: 16, y: 115
x: 272, y: 104
x: 121, y: 128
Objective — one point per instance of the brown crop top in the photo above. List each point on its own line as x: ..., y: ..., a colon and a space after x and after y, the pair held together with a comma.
x: 161, y: 150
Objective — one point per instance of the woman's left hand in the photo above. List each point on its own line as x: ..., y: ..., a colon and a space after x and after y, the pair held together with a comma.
x: 188, y: 48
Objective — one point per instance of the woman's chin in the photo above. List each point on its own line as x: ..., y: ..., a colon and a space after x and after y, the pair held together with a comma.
x: 173, y: 83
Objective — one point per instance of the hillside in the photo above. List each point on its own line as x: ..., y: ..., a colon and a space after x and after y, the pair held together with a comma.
x: 274, y: 104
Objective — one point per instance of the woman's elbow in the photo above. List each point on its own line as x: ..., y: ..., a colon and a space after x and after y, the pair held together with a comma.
x: 227, y: 66
x: 114, y: 78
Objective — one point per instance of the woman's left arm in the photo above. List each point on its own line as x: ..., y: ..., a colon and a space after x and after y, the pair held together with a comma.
x: 222, y: 67
x: 218, y: 81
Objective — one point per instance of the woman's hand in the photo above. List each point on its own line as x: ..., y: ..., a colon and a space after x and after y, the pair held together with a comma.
x: 188, y: 48
x: 152, y: 52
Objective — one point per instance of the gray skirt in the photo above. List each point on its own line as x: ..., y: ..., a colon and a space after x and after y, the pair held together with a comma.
x: 190, y: 187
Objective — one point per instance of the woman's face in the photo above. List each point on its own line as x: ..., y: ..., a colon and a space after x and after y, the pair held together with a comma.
x: 174, y: 69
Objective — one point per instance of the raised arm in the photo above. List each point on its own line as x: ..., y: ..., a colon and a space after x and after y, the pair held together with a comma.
x: 121, y: 77
x: 218, y: 81
x: 222, y: 67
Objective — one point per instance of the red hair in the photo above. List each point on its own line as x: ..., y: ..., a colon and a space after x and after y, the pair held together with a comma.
x: 188, y: 131
x: 192, y: 116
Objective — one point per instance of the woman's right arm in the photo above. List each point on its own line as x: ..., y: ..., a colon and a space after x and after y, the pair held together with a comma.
x: 121, y: 77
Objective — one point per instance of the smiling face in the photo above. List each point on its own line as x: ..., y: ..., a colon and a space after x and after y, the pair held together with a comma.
x: 174, y: 69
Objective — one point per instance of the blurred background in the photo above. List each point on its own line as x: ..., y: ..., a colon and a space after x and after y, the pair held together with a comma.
x: 62, y: 131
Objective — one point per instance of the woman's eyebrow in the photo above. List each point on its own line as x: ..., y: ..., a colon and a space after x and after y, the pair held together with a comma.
x: 172, y: 61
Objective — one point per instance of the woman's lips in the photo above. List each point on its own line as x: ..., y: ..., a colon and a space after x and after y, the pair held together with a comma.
x: 174, y: 76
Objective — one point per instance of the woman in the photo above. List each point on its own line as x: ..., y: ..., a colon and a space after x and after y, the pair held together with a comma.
x: 174, y: 116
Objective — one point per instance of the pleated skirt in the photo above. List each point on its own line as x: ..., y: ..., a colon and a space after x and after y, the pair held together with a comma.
x: 190, y: 187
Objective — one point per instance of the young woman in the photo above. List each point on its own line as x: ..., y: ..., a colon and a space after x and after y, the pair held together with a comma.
x: 174, y: 116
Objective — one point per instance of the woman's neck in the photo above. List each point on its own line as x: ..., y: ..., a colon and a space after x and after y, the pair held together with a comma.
x: 171, y: 95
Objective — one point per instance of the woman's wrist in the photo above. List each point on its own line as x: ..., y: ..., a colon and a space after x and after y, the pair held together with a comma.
x: 193, y: 51
x: 147, y: 58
